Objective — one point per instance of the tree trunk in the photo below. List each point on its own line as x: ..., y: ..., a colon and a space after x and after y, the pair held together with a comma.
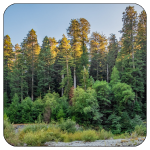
x: 49, y: 77
x: 32, y: 74
x: 97, y: 69
x: 133, y: 58
x: 132, y: 49
x: 136, y: 96
x: 74, y: 77
x: 22, y: 86
x: 107, y: 72
x: 62, y: 90
x: 67, y: 72
x: 47, y: 114
x: 84, y: 79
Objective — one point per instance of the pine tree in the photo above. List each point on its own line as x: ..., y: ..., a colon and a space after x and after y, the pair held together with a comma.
x: 98, y: 56
x: 84, y: 30
x: 85, y: 78
x: 74, y: 33
x: 32, y: 51
x: 8, y: 57
x: 140, y: 48
x: 45, y: 68
x: 126, y: 55
x: 112, y: 54
x: 130, y: 56
x: 54, y: 50
x: 129, y: 30
x: 65, y: 50
x: 84, y: 59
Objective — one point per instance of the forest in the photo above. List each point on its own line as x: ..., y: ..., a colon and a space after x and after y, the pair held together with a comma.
x: 96, y: 81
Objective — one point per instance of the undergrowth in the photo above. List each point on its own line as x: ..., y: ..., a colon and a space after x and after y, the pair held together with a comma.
x: 38, y: 134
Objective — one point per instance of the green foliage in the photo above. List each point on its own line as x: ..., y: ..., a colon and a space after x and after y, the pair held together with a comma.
x: 114, y: 123
x: 15, y: 99
x: 27, y: 104
x: 67, y: 125
x: 45, y: 68
x: 122, y: 93
x: 89, y: 136
x: 85, y: 106
x: 114, y: 76
x: 37, y: 110
x: 103, y: 134
x: 38, y: 134
x: 5, y: 117
x: 103, y: 91
x: 136, y: 121
x: 60, y: 114
x: 6, y: 121
x: 5, y: 100
x: 34, y: 128
x: 36, y: 72
x: 85, y: 78
x: 112, y: 54
x: 125, y: 122
x: 50, y: 100
x: 90, y: 81
x: 137, y: 108
x: 14, y: 110
x: 140, y: 130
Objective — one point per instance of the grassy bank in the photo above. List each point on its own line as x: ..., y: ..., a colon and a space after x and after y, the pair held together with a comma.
x: 38, y: 134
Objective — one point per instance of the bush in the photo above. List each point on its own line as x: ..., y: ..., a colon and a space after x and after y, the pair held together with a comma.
x: 114, y: 122
x: 37, y: 135
x: 67, y: 125
x: 140, y: 130
x: 103, y: 135
x: 136, y: 121
x: 35, y: 127
x: 9, y: 133
x: 85, y: 106
x: 125, y: 122
x: 89, y: 135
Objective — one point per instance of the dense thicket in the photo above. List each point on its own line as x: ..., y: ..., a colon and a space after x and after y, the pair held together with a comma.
x: 103, y: 85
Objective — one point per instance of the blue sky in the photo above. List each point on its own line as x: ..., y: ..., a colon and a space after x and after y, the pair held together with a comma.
x: 52, y: 20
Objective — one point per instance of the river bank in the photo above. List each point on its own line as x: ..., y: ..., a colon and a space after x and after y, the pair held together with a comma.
x: 98, y: 143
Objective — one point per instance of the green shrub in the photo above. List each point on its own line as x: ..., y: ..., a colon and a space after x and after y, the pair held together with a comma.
x: 60, y: 114
x: 85, y: 106
x: 5, y: 116
x: 114, y: 122
x: 9, y: 133
x: 38, y: 135
x: 67, y: 125
x: 34, y: 128
x: 103, y: 135
x: 89, y: 135
x: 136, y: 121
x: 140, y: 130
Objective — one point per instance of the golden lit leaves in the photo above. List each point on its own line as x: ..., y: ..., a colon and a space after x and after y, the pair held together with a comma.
x: 77, y: 52
x: 98, y: 43
x: 37, y: 49
x: 65, y: 47
x: 84, y: 29
x: 53, y: 44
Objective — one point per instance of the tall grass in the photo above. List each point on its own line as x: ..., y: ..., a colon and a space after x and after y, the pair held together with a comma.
x: 9, y: 133
x: 38, y: 134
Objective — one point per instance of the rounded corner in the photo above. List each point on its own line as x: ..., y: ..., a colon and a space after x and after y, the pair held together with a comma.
x: 7, y: 8
x: 7, y: 141
x: 141, y: 7
x: 142, y: 141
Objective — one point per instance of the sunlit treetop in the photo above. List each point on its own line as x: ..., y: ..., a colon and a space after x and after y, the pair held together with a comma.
x: 53, y: 44
x: 84, y: 29
x: 65, y: 45
x: 98, y: 43
x: 32, y: 38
